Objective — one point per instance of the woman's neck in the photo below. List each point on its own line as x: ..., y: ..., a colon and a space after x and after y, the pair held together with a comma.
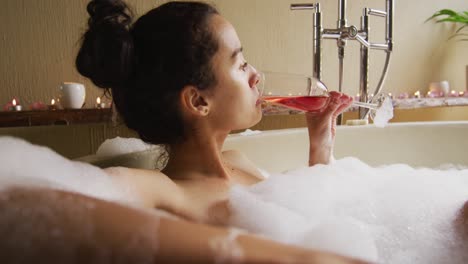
x: 197, y: 157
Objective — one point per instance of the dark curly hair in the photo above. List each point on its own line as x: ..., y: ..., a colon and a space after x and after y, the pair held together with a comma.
x: 147, y: 64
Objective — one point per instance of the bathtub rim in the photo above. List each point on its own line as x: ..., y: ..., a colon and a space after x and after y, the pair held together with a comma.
x: 232, y: 139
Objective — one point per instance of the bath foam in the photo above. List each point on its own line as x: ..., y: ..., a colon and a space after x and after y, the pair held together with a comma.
x: 26, y: 229
x: 29, y: 231
x: 390, y: 214
x: 384, y: 113
x: 28, y: 165
x: 226, y: 249
x: 118, y: 146
x: 348, y: 207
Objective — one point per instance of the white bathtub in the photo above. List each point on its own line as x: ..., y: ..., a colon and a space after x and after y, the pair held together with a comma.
x: 428, y: 144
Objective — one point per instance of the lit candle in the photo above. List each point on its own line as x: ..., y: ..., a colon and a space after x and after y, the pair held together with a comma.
x: 100, y: 104
x: 52, y: 105
x: 357, y: 97
x: 417, y: 94
x: 434, y: 94
x: 461, y: 94
x: 453, y: 93
x: 16, y: 106
x: 390, y: 95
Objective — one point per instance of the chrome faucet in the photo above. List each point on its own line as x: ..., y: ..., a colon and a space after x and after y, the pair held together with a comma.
x: 342, y: 34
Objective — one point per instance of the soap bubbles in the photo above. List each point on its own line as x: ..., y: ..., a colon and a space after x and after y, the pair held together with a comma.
x: 388, y: 214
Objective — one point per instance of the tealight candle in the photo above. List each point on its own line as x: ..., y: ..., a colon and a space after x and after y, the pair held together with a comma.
x: 52, y: 105
x: 357, y: 98
x: 16, y: 107
x: 453, y: 93
x: 461, y: 94
x: 417, y: 94
x: 435, y: 94
x: 100, y: 104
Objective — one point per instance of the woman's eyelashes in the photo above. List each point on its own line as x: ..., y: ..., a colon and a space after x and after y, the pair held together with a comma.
x: 244, y: 66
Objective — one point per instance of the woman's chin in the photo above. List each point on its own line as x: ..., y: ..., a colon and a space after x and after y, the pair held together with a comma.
x: 255, y: 120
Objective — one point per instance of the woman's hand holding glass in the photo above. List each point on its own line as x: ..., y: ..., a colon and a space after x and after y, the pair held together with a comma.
x: 283, y: 93
x: 287, y: 92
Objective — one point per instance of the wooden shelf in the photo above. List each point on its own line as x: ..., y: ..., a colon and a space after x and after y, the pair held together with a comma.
x: 54, y: 117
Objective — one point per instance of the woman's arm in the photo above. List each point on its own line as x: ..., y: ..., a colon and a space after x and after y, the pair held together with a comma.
x: 322, y: 128
x: 41, y: 225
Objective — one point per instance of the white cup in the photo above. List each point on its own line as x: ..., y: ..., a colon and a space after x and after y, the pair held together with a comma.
x: 72, y: 95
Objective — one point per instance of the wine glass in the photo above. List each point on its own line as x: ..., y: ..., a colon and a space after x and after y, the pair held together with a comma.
x: 293, y: 93
x: 286, y: 93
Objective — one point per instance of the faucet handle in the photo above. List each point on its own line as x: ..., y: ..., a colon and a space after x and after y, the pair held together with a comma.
x: 306, y: 7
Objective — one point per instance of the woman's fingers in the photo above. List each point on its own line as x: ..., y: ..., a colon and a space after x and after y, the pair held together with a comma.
x: 346, y: 102
x: 338, y: 103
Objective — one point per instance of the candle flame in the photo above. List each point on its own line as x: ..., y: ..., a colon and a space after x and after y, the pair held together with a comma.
x: 98, y: 100
x: 418, y: 93
x: 52, y: 102
x: 14, y: 102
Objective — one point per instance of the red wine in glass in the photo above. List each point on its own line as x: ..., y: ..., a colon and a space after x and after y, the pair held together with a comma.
x: 301, y: 103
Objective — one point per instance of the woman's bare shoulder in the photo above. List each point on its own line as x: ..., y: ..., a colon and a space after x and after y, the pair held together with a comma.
x: 139, y: 173
x: 241, y: 161
x: 155, y: 188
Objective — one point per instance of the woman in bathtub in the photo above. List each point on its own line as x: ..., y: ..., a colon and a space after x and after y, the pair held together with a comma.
x: 178, y: 78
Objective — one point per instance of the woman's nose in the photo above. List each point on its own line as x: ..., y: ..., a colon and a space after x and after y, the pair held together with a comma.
x: 254, y: 78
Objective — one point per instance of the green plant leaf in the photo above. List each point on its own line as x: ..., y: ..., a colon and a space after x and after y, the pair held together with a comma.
x: 442, y: 13
x: 448, y: 12
x: 451, y: 16
x: 449, y: 19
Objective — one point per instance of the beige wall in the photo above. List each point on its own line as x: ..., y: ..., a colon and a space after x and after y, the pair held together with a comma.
x: 39, y: 40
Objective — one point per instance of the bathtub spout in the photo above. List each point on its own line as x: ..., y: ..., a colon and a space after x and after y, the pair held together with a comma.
x: 342, y: 34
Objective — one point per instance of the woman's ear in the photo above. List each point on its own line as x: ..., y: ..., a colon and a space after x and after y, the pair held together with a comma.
x: 194, y: 102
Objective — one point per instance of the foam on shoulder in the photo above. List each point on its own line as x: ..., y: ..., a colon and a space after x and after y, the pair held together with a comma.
x: 28, y: 165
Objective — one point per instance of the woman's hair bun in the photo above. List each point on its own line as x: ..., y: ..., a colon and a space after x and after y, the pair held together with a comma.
x: 106, y: 55
x: 109, y: 12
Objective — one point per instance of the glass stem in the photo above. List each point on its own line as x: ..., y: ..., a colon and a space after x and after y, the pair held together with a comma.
x: 366, y: 105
